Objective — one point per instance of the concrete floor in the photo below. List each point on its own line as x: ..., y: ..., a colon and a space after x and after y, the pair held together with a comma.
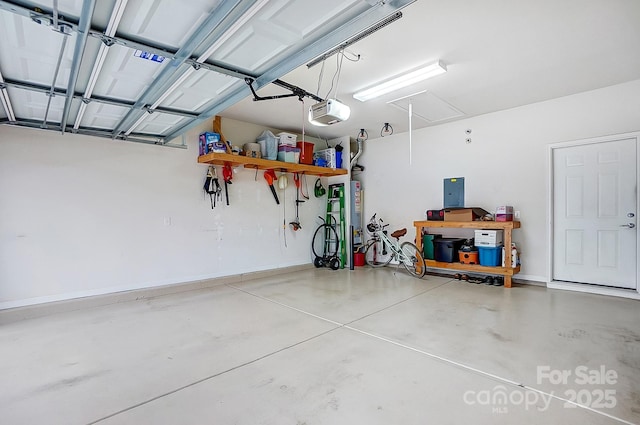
x: 324, y: 347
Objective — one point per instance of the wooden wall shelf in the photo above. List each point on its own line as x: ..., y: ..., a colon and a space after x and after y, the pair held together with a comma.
x: 469, y: 224
x: 507, y: 226
x: 473, y: 268
x: 266, y: 164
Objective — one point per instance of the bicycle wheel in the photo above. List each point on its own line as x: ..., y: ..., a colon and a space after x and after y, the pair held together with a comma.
x: 325, y: 242
x: 412, y: 259
x: 377, y: 254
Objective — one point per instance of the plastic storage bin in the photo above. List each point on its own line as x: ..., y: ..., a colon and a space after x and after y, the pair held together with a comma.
x: 268, y: 145
x: 306, y: 152
x: 446, y: 249
x: 328, y: 155
x: 428, y: 246
x: 287, y: 139
x: 490, y: 256
x: 288, y: 154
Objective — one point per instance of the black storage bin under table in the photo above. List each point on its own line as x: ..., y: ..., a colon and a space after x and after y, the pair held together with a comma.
x: 446, y: 249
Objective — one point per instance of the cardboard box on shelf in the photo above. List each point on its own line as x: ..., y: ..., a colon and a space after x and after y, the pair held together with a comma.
x: 490, y: 238
x: 464, y: 214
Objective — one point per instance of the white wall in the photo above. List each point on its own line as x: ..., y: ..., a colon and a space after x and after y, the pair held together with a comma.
x: 506, y: 163
x: 82, y: 216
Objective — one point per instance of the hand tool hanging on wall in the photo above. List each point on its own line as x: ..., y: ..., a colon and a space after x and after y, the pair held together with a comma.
x: 295, y: 224
x: 227, y: 175
x: 212, y: 186
x: 270, y: 177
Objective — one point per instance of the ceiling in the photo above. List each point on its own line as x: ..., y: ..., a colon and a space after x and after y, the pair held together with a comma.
x: 148, y: 70
x: 499, y: 54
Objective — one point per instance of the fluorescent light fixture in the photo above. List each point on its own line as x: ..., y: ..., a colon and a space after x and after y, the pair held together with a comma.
x: 400, y: 81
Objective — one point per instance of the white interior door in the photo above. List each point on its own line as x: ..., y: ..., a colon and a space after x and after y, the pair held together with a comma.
x: 594, y: 218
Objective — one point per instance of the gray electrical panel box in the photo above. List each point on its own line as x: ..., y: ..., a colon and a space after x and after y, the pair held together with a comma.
x: 453, y: 192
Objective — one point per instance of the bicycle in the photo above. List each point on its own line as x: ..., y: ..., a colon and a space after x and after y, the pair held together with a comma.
x: 325, y: 244
x: 381, y: 249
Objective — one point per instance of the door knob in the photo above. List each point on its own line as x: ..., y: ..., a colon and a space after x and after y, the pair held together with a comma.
x: 630, y: 225
x: 631, y: 215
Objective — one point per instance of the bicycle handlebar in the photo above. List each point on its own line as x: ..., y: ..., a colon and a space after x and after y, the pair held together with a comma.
x: 379, y: 223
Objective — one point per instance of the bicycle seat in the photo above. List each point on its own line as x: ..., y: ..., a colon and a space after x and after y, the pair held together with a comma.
x: 399, y: 233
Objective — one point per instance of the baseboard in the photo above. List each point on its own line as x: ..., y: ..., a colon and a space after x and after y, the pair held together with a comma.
x: 594, y: 289
x: 44, y: 309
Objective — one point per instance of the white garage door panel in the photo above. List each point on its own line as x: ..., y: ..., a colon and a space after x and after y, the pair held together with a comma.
x: 280, y: 26
x: 167, y: 22
x: 100, y: 115
x: 70, y: 7
x: 125, y: 76
x: 19, y: 98
x: 306, y: 17
x: 200, y: 89
x: 159, y: 123
x: 91, y: 50
x: 30, y: 51
x: 34, y: 105
x: 252, y: 47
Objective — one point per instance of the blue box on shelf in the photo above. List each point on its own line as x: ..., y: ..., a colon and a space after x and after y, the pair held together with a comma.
x: 210, y: 142
x: 490, y: 255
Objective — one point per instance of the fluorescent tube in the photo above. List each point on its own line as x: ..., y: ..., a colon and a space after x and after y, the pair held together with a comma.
x: 401, y: 81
